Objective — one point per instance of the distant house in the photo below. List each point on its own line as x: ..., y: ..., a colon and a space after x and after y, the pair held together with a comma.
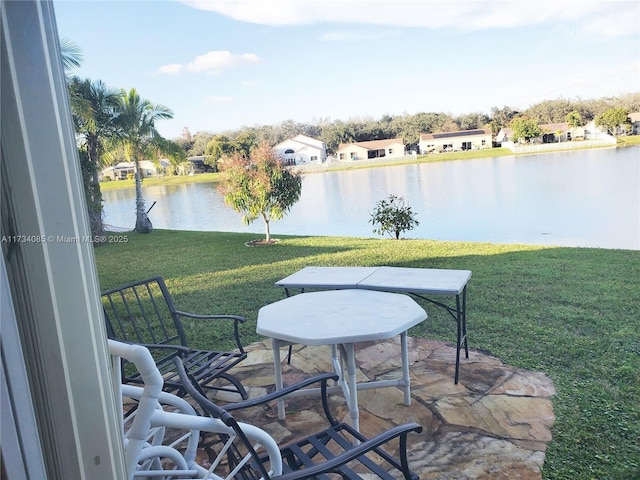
x: 301, y: 149
x: 552, y: 133
x: 634, y: 118
x: 586, y: 132
x: 393, y: 147
x: 504, y: 135
x: 198, y: 165
x: 450, y: 141
x: 123, y: 170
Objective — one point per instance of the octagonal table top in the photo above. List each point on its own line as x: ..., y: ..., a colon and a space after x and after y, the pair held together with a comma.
x: 339, y: 316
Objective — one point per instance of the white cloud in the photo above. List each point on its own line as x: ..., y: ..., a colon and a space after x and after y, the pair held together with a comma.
x: 356, y: 36
x: 212, y: 62
x: 218, y: 99
x: 617, y: 22
x: 216, y: 61
x: 171, y: 69
x: 605, y: 17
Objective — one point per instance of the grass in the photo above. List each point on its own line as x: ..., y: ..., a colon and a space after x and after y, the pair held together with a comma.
x: 629, y: 140
x: 166, y: 180
x: 572, y: 313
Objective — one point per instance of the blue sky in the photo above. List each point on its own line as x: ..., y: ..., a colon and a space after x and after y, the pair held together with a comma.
x: 223, y: 64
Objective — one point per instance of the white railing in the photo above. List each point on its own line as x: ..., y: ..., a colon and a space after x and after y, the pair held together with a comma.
x: 603, y: 141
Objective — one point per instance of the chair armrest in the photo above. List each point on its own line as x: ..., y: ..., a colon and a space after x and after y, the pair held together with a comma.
x: 237, y: 320
x: 252, y: 402
x: 322, y: 378
x: 211, y: 408
x: 180, y: 404
x: 178, y: 348
x: 330, y: 465
x: 211, y: 317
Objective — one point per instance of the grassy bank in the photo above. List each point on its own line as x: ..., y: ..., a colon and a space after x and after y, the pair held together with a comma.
x: 572, y: 313
x: 166, y: 180
x: 629, y: 141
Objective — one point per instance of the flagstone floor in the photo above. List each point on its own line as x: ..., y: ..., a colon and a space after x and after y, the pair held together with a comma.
x: 495, y: 424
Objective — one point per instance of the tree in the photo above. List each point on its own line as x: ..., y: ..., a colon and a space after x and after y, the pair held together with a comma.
x: 574, y: 119
x: 259, y: 186
x: 95, y: 109
x: 525, y: 128
x: 218, y: 147
x: 139, y: 137
x: 549, y: 111
x: 335, y: 134
x: 393, y: 216
x: 171, y: 150
x: 612, y: 119
x: 472, y: 121
x: 92, y: 108
x: 199, y: 141
x: 246, y: 142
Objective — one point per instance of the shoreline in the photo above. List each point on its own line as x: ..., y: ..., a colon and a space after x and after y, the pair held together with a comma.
x: 361, y: 164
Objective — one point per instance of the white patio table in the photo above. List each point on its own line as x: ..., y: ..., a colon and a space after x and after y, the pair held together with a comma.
x: 341, y: 318
x: 419, y: 282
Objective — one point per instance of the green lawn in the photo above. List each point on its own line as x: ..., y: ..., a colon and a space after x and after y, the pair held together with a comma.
x: 573, y: 313
x: 166, y: 180
x: 629, y: 140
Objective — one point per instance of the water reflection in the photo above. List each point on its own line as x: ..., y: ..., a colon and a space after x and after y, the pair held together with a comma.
x: 589, y: 198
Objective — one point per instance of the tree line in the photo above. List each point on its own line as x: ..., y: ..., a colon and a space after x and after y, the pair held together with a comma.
x: 405, y: 126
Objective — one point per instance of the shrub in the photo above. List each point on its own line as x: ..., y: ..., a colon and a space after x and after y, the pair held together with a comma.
x: 393, y: 216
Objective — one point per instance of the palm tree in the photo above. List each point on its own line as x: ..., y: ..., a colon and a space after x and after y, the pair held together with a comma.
x: 139, y: 137
x: 95, y: 110
x: 93, y: 107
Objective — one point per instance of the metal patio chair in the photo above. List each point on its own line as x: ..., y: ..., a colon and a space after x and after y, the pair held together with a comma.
x: 144, y: 313
x: 337, y: 450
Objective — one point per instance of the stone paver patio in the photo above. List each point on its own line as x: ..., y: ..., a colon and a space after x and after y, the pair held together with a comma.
x: 495, y: 424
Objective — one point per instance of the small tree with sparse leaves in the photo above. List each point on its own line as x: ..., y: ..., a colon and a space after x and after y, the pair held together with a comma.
x: 393, y: 216
x: 259, y: 186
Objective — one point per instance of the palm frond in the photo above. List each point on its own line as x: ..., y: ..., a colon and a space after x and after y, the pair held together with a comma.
x: 71, y: 54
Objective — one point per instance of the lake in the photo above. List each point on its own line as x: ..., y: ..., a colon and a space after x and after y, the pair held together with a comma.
x: 588, y: 198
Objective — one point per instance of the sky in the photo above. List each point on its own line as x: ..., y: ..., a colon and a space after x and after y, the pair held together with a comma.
x: 221, y: 65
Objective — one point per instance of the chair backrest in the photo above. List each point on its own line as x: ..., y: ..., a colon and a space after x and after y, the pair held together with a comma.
x: 148, y: 451
x: 138, y: 431
x: 142, y: 312
x: 244, y: 451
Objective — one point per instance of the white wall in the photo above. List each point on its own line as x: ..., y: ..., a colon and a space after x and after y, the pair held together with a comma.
x: 302, y: 152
